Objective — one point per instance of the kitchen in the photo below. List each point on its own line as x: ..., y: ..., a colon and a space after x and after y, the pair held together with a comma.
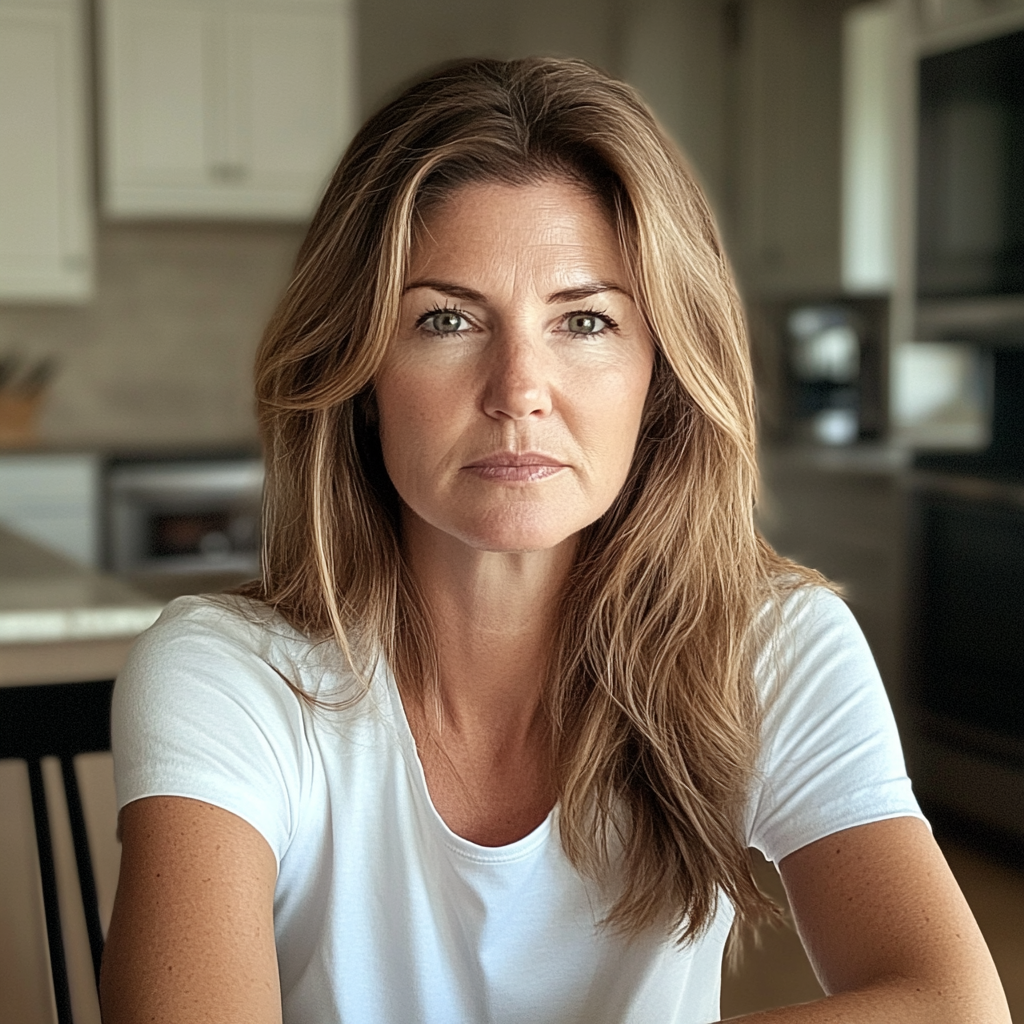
x: 157, y: 298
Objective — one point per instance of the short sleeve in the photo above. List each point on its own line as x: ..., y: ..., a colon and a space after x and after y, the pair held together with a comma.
x: 199, y: 713
x: 830, y: 754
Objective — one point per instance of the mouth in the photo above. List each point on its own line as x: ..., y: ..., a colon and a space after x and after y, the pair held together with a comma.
x: 516, y: 466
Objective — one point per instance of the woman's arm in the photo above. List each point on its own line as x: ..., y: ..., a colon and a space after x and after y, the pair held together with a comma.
x: 192, y: 934
x: 888, y: 932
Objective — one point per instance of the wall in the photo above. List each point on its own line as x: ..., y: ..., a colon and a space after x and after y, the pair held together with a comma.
x: 674, y: 52
x: 784, y: 146
x: 164, y: 351
x: 399, y: 39
x: 671, y: 50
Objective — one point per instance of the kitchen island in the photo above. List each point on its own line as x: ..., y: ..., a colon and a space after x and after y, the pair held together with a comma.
x: 60, y: 621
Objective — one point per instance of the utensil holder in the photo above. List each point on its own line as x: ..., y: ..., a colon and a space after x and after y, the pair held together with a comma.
x: 19, y: 416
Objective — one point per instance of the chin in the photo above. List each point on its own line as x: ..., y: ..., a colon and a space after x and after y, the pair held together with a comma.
x: 512, y: 533
x: 518, y: 545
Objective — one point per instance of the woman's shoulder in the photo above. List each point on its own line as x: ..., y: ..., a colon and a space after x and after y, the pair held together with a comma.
x: 800, y: 626
x: 229, y: 636
x: 814, y: 665
x: 800, y: 601
x: 204, y: 708
x: 228, y: 617
x: 830, y: 753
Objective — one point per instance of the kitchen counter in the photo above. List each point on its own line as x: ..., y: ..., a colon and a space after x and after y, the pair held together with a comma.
x: 128, y: 451
x: 60, y: 621
x: 864, y: 459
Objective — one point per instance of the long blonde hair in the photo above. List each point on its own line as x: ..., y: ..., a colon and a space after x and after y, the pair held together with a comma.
x: 651, y: 697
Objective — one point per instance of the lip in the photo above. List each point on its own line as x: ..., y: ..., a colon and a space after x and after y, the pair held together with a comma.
x: 516, y: 466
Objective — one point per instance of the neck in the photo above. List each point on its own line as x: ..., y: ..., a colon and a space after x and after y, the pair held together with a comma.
x: 494, y: 616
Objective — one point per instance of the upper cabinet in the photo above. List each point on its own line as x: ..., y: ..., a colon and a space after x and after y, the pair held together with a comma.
x: 784, y: 145
x: 223, y: 108
x: 938, y: 15
x: 45, y: 208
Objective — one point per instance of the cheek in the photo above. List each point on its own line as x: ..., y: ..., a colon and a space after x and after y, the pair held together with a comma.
x: 397, y: 423
x: 414, y: 420
x: 614, y: 404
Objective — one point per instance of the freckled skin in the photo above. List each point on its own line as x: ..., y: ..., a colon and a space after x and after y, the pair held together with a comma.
x: 515, y: 376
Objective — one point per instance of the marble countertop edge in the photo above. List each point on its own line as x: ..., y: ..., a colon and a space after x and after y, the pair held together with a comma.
x: 51, y: 625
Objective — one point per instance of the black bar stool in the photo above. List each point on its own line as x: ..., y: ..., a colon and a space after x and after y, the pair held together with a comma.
x: 59, y: 720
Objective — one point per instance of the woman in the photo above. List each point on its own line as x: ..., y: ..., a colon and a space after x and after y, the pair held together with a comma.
x: 520, y: 683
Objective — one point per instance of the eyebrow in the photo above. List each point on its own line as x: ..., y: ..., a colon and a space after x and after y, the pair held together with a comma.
x: 581, y: 291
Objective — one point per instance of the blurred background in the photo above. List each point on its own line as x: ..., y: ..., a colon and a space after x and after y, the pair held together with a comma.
x: 159, y: 160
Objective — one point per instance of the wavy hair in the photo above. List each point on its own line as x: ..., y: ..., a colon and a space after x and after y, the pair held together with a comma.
x: 651, y: 698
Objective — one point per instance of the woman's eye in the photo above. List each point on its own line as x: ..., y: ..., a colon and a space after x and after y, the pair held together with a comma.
x: 587, y: 323
x: 444, y: 321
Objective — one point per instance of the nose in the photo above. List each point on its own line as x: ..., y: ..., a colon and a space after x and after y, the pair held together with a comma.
x: 518, y: 378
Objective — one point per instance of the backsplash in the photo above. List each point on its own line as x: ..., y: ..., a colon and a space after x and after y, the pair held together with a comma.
x: 163, y: 353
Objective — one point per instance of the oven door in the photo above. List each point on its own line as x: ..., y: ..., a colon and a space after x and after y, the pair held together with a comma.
x: 965, y: 644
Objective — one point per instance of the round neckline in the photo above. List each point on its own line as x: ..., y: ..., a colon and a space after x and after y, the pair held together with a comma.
x: 465, y: 848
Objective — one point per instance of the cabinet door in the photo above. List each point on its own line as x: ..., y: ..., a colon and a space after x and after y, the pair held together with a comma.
x: 45, y: 218
x: 290, y: 101
x: 786, y: 146
x: 224, y: 108
x: 156, y: 76
x: 944, y: 14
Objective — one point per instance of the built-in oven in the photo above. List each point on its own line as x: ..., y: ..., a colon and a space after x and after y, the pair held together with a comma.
x: 965, y: 631
x: 183, y: 519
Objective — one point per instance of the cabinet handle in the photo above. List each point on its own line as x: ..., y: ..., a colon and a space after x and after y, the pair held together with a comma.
x: 228, y: 172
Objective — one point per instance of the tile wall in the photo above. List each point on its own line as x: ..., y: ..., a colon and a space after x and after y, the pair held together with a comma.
x: 163, y: 353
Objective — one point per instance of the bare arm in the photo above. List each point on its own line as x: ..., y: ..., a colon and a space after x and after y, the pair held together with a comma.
x: 192, y: 934
x: 888, y: 933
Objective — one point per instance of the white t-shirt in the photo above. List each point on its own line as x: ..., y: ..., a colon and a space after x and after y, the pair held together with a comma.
x: 382, y: 914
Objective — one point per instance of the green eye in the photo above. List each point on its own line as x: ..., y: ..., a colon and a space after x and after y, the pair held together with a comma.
x: 445, y: 321
x: 585, y: 323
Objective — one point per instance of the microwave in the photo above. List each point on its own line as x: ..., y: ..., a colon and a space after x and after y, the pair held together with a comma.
x: 183, y: 516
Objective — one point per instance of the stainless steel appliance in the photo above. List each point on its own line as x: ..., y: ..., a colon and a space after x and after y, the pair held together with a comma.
x: 183, y: 516
x: 966, y: 624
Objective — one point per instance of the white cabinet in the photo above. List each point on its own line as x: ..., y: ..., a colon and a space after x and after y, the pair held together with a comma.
x: 870, y: 31
x: 54, y: 499
x: 784, y: 152
x: 941, y: 14
x: 223, y: 108
x: 45, y: 209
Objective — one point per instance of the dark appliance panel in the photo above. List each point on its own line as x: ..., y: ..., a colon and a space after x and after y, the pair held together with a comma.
x: 971, y: 170
x: 971, y: 641
x: 965, y: 641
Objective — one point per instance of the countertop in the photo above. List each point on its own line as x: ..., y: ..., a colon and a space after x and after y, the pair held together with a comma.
x: 867, y: 458
x: 46, y: 598
x: 127, y: 451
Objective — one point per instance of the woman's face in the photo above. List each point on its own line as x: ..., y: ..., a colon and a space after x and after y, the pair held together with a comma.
x: 511, y: 397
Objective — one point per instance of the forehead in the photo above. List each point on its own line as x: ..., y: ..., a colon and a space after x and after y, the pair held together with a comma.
x: 546, y: 225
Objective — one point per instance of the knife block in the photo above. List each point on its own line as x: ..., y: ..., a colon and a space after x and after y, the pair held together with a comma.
x: 19, y: 417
